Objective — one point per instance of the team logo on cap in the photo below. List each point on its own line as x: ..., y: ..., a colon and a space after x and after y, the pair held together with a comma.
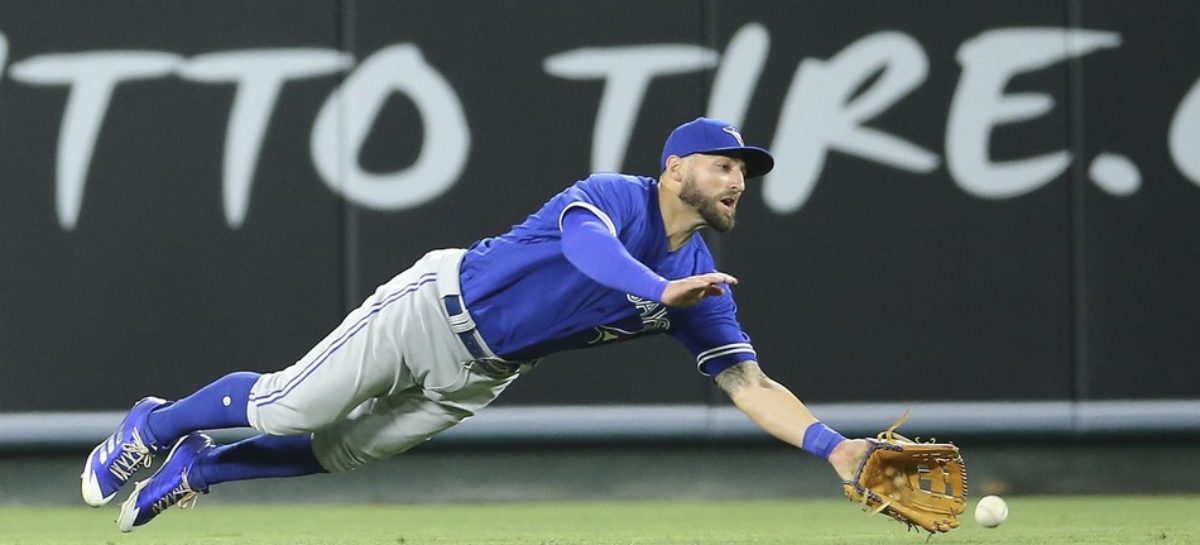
x: 736, y: 135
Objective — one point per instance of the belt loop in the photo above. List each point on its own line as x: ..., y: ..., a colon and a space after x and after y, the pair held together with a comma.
x: 456, y: 311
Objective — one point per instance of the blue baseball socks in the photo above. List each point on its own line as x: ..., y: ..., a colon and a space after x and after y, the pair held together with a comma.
x: 259, y: 457
x: 219, y: 405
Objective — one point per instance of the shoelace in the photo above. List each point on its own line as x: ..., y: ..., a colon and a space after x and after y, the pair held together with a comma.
x: 133, y: 454
x: 183, y: 495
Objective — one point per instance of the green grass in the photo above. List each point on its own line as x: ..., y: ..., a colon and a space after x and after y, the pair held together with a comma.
x: 1041, y: 521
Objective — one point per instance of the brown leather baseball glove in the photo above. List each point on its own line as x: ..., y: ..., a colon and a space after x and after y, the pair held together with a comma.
x: 919, y: 484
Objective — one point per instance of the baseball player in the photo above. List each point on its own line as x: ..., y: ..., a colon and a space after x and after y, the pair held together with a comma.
x: 613, y: 257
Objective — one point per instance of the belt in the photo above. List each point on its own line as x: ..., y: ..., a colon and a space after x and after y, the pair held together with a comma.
x: 459, y: 319
x: 450, y: 292
x: 463, y: 326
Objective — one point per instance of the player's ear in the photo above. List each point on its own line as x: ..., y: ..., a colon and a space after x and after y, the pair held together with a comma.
x: 674, y: 170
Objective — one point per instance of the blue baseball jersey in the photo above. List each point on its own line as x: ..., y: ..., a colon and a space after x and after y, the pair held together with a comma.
x: 528, y: 301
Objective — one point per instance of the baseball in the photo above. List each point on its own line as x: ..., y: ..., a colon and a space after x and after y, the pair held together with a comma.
x: 991, y: 511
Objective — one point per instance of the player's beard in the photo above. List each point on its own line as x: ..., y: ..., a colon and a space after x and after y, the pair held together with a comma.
x: 708, y: 207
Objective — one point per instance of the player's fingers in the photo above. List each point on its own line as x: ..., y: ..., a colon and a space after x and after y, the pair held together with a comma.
x: 716, y: 278
x: 700, y: 286
x: 723, y: 278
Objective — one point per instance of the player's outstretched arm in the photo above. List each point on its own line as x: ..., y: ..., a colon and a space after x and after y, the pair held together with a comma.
x: 780, y: 413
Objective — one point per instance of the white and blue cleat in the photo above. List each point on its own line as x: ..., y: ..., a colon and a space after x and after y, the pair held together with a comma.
x: 168, y: 486
x: 114, y: 461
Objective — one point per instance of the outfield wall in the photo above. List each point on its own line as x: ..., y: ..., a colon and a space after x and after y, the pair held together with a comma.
x: 665, y: 425
x: 974, y: 202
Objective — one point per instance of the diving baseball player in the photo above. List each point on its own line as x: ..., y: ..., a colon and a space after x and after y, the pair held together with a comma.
x: 613, y: 257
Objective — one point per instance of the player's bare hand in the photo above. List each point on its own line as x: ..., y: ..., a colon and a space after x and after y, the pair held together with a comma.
x: 847, y: 456
x: 689, y: 291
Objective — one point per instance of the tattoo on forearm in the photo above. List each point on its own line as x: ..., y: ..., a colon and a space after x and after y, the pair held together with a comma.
x: 739, y: 376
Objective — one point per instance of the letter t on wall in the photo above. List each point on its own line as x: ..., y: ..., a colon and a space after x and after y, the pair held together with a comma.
x: 91, y: 76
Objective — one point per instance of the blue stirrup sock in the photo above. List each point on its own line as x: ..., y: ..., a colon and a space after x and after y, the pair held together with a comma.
x: 221, y: 404
x: 259, y: 457
x: 820, y: 439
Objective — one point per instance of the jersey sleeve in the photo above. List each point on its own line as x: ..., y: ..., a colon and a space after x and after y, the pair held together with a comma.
x: 711, y: 332
x: 589, y: 246
x: 610, y: 197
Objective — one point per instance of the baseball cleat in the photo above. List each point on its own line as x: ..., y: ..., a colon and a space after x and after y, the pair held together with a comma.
x: 116, y: 459
x: 168, y: 486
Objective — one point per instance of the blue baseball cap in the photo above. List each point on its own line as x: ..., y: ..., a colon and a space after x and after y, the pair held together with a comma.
x: 716, y: 137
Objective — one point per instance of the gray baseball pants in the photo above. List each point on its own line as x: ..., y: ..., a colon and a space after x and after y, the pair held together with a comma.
x: 392, y: 375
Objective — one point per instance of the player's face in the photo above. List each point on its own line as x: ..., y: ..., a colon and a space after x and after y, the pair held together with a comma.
x: 712, y: 184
